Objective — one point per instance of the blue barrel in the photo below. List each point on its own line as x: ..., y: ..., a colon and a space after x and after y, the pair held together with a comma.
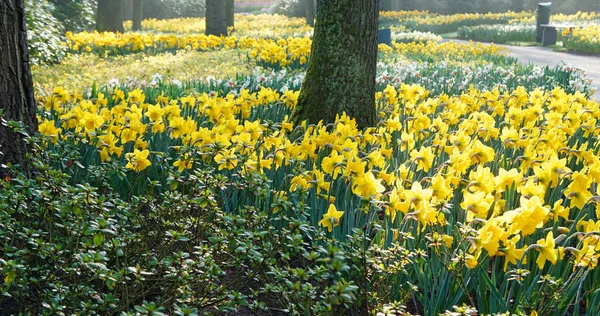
x: 384, y: 36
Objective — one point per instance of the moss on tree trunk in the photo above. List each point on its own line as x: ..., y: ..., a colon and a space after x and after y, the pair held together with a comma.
x: 109, y: 17
x: 341, y: 71
x: 17, y: 102
x: 216, y: 18
x: 137, y: 16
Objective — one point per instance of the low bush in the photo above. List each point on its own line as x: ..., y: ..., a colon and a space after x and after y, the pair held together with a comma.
x: 44, y: 33
x: 498, y: 33
x: 71, y: 248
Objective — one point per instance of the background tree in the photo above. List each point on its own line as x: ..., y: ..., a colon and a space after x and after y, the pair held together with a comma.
x: 385, y: 5
x: 341, y: 70
x: 137, y: 15
x: 109, y: 17
x: 229, y: 8
x: 310, y: 12
x: 216, y: 18
x: 17, y: 102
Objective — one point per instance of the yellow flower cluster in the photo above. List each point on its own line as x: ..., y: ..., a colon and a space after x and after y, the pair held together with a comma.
x: 445, y: 51
x: 521, y: 168
x: 138, y: 42
x: 559, y: 17
x: 403, y: 15
x: 459, y: 18
x: 261, y: 25
x: 585, y: 39
x: 281, y: 51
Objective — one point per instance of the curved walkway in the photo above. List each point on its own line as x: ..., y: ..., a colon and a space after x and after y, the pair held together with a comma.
x: 547, y: 57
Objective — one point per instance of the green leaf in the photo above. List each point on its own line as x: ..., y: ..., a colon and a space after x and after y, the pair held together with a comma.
x: 98, y: 239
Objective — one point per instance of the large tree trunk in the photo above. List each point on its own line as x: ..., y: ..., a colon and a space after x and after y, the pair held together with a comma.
x: 17, y: 102
x: 137, y: 16
x: 109, y: 17
x: 341, y: 70
x: 310, y: 12
x: 216, y: 18
x: 229, y: 8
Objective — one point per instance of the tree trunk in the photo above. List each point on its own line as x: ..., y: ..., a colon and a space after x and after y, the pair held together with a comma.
x: 385, y: 5
x: 229, y: 8
x: 517, y: 5
x: 341, y: 70
x: 216, y: 18
x: 310, y: 12
x: 17, y: 102
x: 109, y: 17
x: 396, y: 5
x: 127, y: 10
x: 137, y: 16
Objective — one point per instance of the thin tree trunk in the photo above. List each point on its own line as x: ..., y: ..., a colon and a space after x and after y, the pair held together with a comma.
x: 216, y: 18
x: 341, y: 70
x: 229, y: 8
x: 17, y: 102
x: 109, y: 17
x: 310, y: 12
x: 138, y: 9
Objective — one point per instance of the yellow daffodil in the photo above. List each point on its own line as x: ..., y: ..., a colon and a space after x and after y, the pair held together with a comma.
x: 138, y: 160
x: 331, y: 218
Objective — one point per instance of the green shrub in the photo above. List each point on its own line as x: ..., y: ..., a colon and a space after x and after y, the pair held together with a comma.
x: 44, y: 33
x: 79, y: 249
x: 169, y: 9
x: 498, y: 33
x: 293, y: 8
x: 75, y: 15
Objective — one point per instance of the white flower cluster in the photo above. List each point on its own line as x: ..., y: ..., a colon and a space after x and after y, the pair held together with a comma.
x: 415, y: 36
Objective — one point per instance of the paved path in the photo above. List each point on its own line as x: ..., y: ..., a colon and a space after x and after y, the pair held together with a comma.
x: 547, y: 57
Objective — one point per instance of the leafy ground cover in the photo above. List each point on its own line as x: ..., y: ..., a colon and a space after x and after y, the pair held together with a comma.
x: 191, y: 193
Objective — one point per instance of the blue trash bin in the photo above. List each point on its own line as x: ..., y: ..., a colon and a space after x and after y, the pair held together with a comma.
x: 384, y: 36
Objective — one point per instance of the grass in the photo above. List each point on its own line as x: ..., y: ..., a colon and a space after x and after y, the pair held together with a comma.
x: 523, y: 44
x: 76, y: 72
x: 451, y: 35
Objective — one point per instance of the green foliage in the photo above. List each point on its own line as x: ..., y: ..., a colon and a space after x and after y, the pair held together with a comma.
x: 168, y: 9
x: 76, y: 248
x: 294, y: 8
x: 75, y: 15
x: 44, y: 33
x: 499, y: 33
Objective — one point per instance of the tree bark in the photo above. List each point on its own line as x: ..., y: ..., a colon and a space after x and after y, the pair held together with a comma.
x: 137, y: 15
x: 341, y: 70
x: 229, y: 8
x: 17, y: 102
x: 216, y: 18
x: 310, y: 12
x: 109, y: 17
